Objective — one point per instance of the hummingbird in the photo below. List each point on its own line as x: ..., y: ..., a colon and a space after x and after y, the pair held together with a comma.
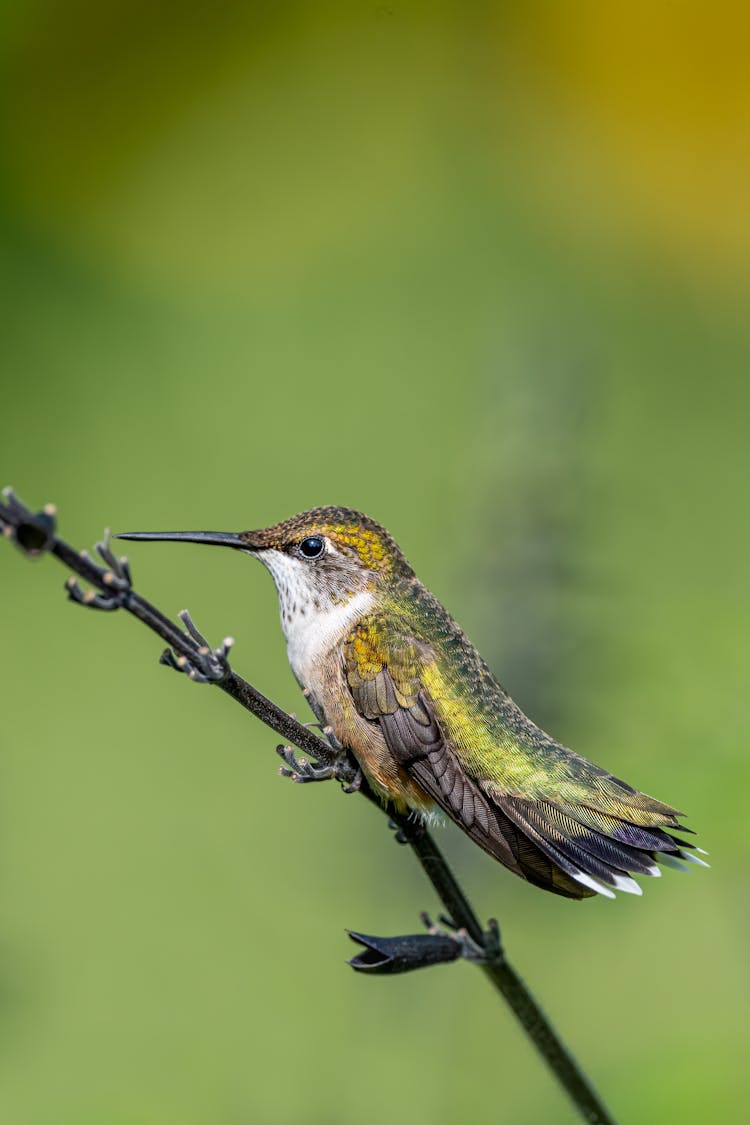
x: 398, y: 683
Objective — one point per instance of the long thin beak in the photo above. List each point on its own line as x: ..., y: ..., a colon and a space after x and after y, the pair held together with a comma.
x: 213, y: 538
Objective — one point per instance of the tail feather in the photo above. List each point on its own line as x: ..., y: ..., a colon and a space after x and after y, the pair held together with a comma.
x: 533, y: 819
x: 681, y: 843
x: 610, y: 796
x: 621, y: 856
x: 549, y: 842
x: 498, y: 835
x: 539, y: 868
x: 623, y: 831
x: 587, y: 845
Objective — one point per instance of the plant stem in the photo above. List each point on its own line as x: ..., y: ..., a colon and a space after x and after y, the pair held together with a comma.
x: 34, y: 534
x: 503, y: 976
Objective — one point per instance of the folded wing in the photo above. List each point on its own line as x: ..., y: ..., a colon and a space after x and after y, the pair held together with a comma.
x: 576, y: 841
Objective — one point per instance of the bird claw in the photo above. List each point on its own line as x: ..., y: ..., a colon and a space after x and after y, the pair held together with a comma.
x: 116, y: 578
x: 399, y: 834
x: 489, y: 951
x: 355, y: 784
x: 303, y: 771
x: 207, y: 665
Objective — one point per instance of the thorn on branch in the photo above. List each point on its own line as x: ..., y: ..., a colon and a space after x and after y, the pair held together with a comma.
x: 207, y: 665
x: 91, y: 598
x: 117, y: 580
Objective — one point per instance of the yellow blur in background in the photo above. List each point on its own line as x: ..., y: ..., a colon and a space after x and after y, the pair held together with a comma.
x: 481, y: 271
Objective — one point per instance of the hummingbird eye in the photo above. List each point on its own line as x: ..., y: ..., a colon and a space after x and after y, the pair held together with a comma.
x: 312, y: 547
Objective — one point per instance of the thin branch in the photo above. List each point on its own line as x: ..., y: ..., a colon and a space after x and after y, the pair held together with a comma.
x: 35, y: 535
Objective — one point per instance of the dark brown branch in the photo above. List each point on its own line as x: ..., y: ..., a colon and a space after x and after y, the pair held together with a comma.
x: 35, y: 534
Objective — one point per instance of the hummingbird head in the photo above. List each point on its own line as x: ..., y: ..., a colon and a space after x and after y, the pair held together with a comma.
x: 324, y: 557
x: 320, y: 560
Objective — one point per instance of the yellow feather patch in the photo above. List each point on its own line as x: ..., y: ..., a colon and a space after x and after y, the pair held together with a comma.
x: 367, y: 545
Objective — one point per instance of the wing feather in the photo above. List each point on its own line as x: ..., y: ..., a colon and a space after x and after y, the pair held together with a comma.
x: 553, y: 840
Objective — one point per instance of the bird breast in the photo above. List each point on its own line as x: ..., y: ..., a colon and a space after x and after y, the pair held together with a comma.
x: 313, y: 634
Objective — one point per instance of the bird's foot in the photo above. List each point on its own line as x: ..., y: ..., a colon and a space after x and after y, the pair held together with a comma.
x: 408, y: 826
x: 399, y: 832
x: 208, y: 665
x: 355, y: 774
x: 116, y: 578
x: 300, y: 769
x: 490, y: 949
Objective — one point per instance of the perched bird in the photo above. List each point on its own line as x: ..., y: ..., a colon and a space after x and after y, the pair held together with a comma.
x: 386, y: 667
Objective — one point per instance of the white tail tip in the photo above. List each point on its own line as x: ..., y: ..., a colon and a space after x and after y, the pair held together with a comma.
x: 587, y: 881
x: 625, y: 883
x: 667, y: 860
x: 693, y: 859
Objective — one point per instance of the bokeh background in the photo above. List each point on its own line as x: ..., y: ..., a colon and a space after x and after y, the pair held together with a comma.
x: 482, y: 271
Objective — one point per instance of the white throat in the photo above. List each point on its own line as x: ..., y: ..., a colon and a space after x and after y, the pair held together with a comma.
x: 310, y: 636
x: 312, y: 623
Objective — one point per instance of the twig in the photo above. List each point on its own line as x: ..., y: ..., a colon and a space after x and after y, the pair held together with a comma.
x: 35, y: 535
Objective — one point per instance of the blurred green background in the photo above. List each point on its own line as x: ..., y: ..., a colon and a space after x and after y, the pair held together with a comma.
x: 482, y: 271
